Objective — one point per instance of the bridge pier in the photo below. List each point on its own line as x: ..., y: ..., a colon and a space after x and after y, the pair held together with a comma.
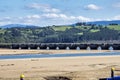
x: 57, y: 48
x: 88, y: 48
x: 19, y: 48
x: 77, y: 48
x: 68, y: 46
x: 47, y: 48
x: 99, y: 48
x: 111, y: 48
x: 29, y: 48
x: 38, y: 48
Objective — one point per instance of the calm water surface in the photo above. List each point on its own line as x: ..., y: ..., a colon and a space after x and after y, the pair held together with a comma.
x: 24, y: 56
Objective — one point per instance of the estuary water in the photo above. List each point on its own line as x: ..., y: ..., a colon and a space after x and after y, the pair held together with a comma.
x: 58, y: 55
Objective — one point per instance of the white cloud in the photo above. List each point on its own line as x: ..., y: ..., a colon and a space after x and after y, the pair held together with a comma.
x: 46, y: 19
x: 4, y: 23
x: 55, y: 16
x: 81, y: 18
x: 72, y: 17
x: 42, y: 7
x: 33, y: 16
x: 50, y: 15
x: 117, y: 17
x: 5, y: 19
x: 49, y: 19
x: 51, y: 10
x: 37, y: 6
x: 65, y: 17
x: 92, y: 7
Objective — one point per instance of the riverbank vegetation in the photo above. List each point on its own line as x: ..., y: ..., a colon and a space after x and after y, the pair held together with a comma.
x: 60, y: 34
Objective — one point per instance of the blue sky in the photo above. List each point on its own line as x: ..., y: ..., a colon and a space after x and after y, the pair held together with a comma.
x: 57, y: 12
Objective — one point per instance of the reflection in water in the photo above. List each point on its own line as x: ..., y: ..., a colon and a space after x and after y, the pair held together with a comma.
x: 111, y: 48
x: 67, y: 48
x: 78, y: 48
x: 99, y: 48
x: 88, y: 48
x: 57, y: 48
x: 23, y: 56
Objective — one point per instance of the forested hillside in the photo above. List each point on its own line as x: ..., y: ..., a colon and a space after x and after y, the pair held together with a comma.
x: 59, y: 34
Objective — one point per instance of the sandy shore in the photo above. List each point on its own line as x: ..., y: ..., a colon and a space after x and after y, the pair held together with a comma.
x: 17, y: 51
x: 75, y: 68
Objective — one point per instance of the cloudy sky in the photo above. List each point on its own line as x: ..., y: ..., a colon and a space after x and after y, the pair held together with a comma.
x: 57, y: 12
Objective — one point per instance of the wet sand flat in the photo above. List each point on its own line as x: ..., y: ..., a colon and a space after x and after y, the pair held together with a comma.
x: 73, y: 68
x: 25, y: 51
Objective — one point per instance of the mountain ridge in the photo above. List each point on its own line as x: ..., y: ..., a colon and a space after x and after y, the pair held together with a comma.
x: 17, y: 25
x: 105, y: 23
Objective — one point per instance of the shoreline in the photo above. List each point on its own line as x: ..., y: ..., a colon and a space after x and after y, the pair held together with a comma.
x: 17, y: 51
x: 77, y: 68
x: 55, y: 58
x: 74, y: 68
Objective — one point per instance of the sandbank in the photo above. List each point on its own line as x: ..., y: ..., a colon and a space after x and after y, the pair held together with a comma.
x: 26, y: 51
x: 75, y: 68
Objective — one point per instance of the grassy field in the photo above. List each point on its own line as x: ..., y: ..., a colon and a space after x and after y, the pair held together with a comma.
x: 2, y: 31
x: 83, y: 27
x: 94, y: 30
x: 61, y: 28
x: 115, y: 27
x: 80, y: 33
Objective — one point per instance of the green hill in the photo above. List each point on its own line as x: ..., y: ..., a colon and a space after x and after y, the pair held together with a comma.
x: 60, y: 34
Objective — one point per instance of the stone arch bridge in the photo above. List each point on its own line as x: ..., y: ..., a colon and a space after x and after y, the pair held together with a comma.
x: 60, y: 46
